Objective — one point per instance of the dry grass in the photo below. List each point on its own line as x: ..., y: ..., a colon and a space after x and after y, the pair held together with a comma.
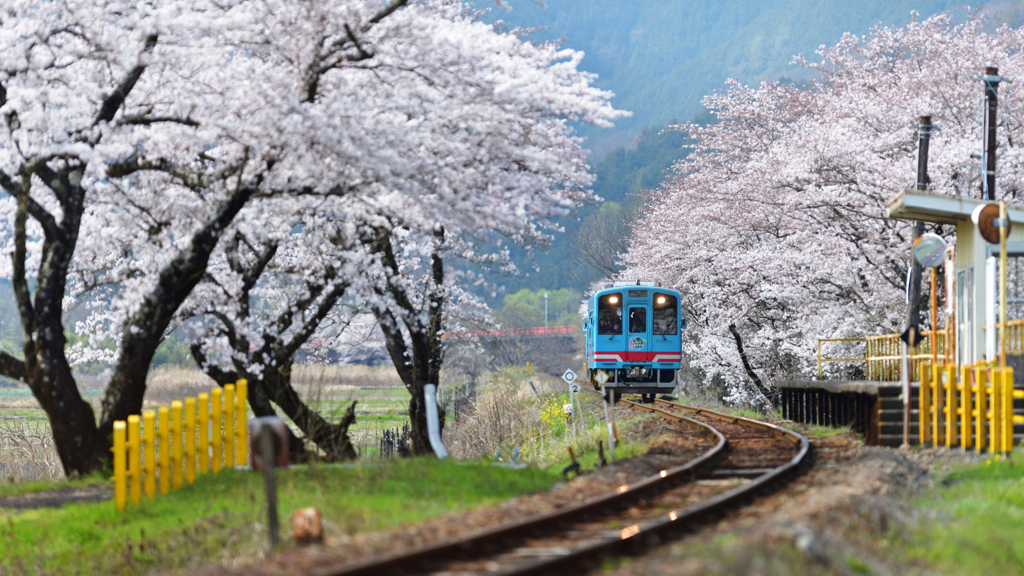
x: 507, y: 415
x: 503, y: 417
x: 27, y: 452
x: 168, y: 383
x: 306, y: 375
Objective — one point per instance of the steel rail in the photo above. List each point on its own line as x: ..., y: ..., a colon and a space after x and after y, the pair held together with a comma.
x: 636, y: 534
x: 500, y: 535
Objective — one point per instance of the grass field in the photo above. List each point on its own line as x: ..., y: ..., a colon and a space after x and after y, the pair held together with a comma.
x: 972, y: 522
x: 221, y: 519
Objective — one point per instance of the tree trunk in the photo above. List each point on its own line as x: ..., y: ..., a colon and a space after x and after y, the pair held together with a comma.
x: 144, y: 330
x: 331, y: 438
x: 259, y: 400
x: 758, y: 384
x: 419, y: 362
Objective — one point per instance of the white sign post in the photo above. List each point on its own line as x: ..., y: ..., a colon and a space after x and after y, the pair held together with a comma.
x: 574, y: 388
x: 609, y: 397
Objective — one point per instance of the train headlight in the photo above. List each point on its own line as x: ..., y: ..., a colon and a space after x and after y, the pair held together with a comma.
x: 661, y: 299
x: 613, y: 299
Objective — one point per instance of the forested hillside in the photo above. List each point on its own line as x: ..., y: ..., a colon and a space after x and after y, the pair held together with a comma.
x: 661, y: 57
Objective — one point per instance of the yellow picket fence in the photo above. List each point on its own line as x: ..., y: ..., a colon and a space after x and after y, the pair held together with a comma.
x: 165, y: 450
x: 972, y: 408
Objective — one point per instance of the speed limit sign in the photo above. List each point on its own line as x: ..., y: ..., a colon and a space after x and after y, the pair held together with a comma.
x: 575, y: 388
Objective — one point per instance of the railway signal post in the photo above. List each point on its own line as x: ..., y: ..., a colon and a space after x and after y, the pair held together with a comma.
x: 609, y: 398
x: 570, y: 378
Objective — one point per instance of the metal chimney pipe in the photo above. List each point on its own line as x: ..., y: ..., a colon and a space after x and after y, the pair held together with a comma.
x: 988, y: 133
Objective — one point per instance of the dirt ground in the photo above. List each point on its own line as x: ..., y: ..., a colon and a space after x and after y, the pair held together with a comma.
x: 832, y: 519
x: 57, y: 497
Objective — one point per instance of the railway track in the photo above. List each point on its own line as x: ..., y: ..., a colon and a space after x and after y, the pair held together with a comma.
x: 747, y: 456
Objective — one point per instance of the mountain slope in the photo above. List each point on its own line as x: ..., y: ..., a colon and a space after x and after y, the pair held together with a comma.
x: 661, y: 57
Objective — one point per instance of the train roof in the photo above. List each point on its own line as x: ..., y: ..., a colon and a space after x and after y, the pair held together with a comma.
x: 620, y: 285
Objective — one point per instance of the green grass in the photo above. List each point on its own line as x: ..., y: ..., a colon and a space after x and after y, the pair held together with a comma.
x: 973, y: 523
x: 815, y: 432
x: 221, y: 518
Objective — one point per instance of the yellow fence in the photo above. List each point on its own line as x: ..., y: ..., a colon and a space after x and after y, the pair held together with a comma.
x: 883, y: 355
x: 970, y: 409
x: 164, y: 451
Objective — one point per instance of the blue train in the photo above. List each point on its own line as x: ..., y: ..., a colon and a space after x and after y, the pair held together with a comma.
x: 634, y: 334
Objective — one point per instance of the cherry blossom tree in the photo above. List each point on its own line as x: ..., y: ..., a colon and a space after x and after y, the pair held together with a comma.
x: 774, y: 228
x: 79, y: 110
x: 357, y: 125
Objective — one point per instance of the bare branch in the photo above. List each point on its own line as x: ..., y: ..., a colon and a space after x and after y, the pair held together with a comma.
x: 112, y: 103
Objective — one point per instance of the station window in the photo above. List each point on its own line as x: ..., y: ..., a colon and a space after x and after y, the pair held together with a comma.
x: 609, y: 314
x: 665, y: 315
x: 637, y: 320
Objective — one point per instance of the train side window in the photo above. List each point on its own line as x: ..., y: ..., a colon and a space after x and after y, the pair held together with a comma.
x: 665, y: 321
x: 609, y: 314
x: 637, y: 320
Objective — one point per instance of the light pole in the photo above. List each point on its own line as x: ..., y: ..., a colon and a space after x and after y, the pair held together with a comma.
x: 545, y: 309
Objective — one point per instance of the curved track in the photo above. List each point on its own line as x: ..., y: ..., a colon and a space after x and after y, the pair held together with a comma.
x: 747, y: 456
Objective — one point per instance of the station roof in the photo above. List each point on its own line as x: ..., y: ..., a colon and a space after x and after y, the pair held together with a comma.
x: 940, y: 208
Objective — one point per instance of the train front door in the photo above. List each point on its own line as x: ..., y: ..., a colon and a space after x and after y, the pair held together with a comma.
x: 638, y: 335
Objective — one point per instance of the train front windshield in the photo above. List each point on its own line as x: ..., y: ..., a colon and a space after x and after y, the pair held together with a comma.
x: 666, y: 323
x: 609, y: 315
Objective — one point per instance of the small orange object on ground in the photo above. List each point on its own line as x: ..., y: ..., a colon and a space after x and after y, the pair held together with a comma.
x: 306, y: 525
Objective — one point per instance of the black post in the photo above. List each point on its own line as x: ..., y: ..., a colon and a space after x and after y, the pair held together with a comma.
x: 924, y: 128
x: 269, y: 484
x: 988, y: 156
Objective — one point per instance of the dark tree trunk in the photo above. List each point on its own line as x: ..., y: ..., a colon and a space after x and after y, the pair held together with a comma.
x: 144, y: 331
x: 419, y: 362
x: 331, y: 438
x: 45, y: 369
x: 758, y: 384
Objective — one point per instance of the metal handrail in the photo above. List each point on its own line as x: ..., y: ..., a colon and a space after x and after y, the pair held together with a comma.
x: 883, y: 354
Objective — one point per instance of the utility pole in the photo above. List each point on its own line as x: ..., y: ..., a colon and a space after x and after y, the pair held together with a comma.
x: 924, y: 130
x: 988, y: 139
x: 545, y: 309
x: 913, y: 318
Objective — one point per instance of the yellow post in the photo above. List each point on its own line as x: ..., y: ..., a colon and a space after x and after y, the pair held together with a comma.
x: 937, y: 412
x: 995, y: 437
x: 204, y: 433
x: 176, y: 444
x: 965, y: 408
x: 819, y: 361
x: 190, y: 440
x: 951, y: 420
x: 229, y: 426
x: 215, y: 423
x: 120, y: 481
x: 134, y: 474
x: 164, y: 457
x: 1002, y: 284
x: 149, y: 443
x: 242, y: 450
x: 981, y: 410
x: 924, y: 404
x: 1007, y: 404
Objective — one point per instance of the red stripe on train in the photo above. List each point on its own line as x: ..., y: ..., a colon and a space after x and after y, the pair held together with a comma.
x: 636, y: 356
